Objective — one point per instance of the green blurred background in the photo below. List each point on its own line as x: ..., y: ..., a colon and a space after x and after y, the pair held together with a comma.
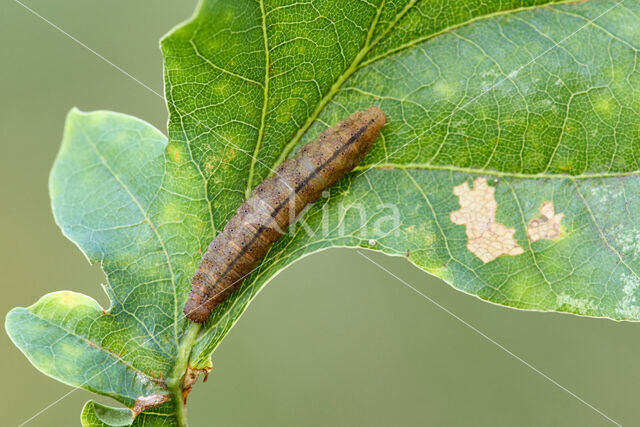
x: 333, y: 340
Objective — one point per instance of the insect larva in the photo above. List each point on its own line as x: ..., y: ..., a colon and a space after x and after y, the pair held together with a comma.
x: 275, y: 204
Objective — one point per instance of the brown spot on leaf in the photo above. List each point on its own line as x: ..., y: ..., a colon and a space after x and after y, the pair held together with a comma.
x: 547, y: 225
x: 147, y: 402
x: 488, y: 239
x: 190, y: 378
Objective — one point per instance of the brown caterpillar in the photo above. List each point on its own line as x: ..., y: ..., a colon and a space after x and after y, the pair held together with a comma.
x: 275, y: 204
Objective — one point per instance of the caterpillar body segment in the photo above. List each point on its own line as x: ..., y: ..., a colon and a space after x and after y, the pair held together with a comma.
x: 275, y: 204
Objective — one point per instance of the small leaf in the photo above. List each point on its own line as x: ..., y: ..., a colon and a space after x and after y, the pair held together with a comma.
x: 126, y: 205
x: 61, y: 336
x: 96, y: 415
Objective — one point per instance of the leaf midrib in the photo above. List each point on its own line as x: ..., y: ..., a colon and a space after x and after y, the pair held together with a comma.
x: 99, y: 347
x: 454, y: 27
x: 153, y: 228
x: 265, y: 102
x: 353, y: 67
x: 357, y: 63
x: 490, y: 172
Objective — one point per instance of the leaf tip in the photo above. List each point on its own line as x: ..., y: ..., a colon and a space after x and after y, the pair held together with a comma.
x: 95, y: 414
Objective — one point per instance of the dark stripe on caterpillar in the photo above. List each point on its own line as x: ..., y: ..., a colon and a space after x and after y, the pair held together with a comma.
x: 276, y: 203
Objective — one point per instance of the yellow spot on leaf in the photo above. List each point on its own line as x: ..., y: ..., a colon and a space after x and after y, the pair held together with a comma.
x: 209, y: 165
x: 547, y: 225
x: 230, y: 154
x: 69, y: 299
x: 487, y: 239
x: 444, y: 89
x: 174, y: 152
x: 603, y: 105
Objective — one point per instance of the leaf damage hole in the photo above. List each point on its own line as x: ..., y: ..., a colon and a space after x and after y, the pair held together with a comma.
x: 487, y: 239
x: 547, y: 225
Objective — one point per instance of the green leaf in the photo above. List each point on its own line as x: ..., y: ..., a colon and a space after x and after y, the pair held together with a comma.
x: 540, y: 99
x: 131, y: 208
x: 521, y: 103
x: 97, y: 415
x: 63, y: 335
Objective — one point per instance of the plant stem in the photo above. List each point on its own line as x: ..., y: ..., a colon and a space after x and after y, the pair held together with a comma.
x: 174, y: 381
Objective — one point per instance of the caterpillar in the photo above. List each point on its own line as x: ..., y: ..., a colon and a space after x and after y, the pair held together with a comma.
x: 275, y: 204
